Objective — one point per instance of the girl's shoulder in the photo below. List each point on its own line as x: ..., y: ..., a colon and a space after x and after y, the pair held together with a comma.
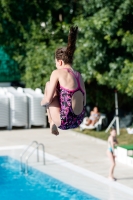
x: 56, y: 72
x: 60, y: 70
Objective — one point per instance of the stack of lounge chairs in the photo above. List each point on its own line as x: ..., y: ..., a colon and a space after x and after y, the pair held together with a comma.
x: 21, y: 108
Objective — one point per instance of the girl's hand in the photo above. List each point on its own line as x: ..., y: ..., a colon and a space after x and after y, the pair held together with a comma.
x: 44, y: 103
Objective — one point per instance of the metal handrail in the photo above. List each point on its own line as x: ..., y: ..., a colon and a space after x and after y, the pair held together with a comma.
x: 27, y: 158
x: 21, y: 155
x: 43, y: 150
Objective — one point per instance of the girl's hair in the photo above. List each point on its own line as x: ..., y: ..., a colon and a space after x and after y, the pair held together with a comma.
x: 66, y: 53
x: 112, y: 129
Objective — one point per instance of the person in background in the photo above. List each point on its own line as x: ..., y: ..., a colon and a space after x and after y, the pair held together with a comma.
x: 112, y: 142
x: 94, y: 117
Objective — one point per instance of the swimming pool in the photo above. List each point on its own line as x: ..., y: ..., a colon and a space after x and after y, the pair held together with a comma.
x: 36, y: 185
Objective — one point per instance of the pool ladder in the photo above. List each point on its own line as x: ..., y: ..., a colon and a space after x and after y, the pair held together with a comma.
x: 29, y: 155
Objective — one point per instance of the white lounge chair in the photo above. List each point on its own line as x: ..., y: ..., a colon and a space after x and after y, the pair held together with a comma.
x: 37, y: 113
x: 18, y: 108
x: 4, y: 110
x: 98, y: 125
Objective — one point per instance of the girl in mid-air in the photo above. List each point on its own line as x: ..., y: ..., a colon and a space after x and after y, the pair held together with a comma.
x: 64, y: 95
x: 112, y: 142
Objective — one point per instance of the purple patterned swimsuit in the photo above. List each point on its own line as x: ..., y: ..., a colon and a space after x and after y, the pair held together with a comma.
x: 68, y: 118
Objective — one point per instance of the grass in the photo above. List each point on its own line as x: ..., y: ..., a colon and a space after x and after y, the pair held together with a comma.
x: 123, y: 139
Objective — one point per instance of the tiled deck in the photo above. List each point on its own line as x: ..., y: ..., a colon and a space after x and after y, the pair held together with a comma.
x: 76, y: 150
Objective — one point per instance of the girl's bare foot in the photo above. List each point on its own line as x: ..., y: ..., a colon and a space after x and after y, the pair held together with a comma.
x: 54, y: 129
x: 115, y: 179
x: 112, y: 178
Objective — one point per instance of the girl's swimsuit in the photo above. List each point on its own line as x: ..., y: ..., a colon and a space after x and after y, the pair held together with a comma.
x: 68, y: 118
x: 94, y: 116
x: 110, y: 148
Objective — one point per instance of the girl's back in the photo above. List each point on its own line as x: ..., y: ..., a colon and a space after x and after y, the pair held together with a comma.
x: 72, y: 81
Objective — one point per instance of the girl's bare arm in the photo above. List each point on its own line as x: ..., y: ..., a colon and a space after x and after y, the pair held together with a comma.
x: 52, y: 88
x: 115, y: 142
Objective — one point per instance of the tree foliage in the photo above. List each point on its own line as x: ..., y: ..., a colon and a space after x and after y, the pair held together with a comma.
x: 30, y: 31
x: 105, y: 45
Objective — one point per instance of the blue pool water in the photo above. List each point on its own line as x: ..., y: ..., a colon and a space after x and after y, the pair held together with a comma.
x: 14, y: 185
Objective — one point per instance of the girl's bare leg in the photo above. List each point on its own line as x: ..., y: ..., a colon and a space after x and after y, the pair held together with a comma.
x: 53, y: 127
x: 112, y: 159
x: 88, y: 122
x: 93, y: 122
x: 53, y: 111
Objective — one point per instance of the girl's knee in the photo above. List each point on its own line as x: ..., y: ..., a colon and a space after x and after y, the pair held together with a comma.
x: 113, y: 164
x: 47, y: 84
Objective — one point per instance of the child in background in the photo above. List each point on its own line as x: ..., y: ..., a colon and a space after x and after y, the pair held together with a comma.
x: 112, y: 141
x: 64, y: 95
x: 94, y: 117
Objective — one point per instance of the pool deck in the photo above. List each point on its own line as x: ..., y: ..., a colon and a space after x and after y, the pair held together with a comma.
x: 81, y: 150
